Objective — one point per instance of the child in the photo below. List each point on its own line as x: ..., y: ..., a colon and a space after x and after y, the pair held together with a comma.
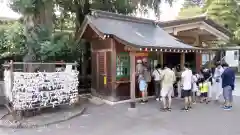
x: 194, y: 87
x: 203, y: 86
x: 142, y: 88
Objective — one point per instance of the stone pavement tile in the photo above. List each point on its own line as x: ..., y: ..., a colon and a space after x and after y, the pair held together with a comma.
x: 45, y: 118
x: 203, y: 119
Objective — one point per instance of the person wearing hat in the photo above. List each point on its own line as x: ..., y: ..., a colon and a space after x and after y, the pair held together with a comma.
x: 141, y: 80
x: 139, y: 68
x: 147, y: 77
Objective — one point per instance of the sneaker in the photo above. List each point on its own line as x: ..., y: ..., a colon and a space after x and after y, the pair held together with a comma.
x: 227, y: 108
x: 142, y: 102
x: 169, y: 109
x: 164, y: 109
x: 157, y: 99
x: 185, y: 109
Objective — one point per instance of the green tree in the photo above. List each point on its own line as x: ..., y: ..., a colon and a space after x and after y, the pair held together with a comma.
x: 226, y: 13
x: 12, y: 41
x: 144, y: 5
x: 191, y: 11
x: 37, y: 20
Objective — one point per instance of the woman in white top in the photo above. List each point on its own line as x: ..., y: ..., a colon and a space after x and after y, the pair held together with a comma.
x: 217, y: 81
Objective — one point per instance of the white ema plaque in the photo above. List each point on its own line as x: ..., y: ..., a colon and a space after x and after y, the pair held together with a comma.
x: 68, y: 68
x: 43, y: 89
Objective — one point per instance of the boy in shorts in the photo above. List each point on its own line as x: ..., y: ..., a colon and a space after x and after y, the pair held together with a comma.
x: 203, y: 86
x: 142, y: 87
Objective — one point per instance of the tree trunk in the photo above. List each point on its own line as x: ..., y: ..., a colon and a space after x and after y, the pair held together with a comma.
x: 44, y: 17
x: 29, y: 22
x: 80, y: 15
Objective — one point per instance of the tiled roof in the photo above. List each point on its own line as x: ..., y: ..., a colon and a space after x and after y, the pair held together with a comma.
x: 134, y: 31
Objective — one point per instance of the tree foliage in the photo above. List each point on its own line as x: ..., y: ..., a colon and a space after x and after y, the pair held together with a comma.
x: 12, y: 40
x: 193, y: 3
x: 191, y: 11
x: 224, y: 12
x: 143, y: 6
x: 39, y: 41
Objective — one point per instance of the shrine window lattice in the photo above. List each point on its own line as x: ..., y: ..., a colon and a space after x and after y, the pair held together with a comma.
x: 123, y: 66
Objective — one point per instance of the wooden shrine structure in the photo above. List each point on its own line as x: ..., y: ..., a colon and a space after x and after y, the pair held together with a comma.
x: 117, y: 41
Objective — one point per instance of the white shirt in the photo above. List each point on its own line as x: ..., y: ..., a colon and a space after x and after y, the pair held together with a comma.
x: 156, y: 74
x: 195, y: 79
x: 187, y: 79
x: 167, y: 77
x: 218, y: 72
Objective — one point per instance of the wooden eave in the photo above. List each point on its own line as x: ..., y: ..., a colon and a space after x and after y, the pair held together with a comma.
x: 202, y: 23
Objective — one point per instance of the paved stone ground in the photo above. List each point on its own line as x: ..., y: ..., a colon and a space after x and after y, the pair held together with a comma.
x: 146, y: 120
x: 204, y: 119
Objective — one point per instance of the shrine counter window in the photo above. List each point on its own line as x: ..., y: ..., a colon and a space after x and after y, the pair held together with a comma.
x: 123, y: 66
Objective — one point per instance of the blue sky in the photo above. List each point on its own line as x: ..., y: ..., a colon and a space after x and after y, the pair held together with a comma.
x: 170, y: 13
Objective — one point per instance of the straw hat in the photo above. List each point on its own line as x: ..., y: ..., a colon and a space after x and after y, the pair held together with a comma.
x: 139, y: 61
x: 144, y: 60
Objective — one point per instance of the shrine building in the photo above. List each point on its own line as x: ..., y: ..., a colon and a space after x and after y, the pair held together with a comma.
x: 117, y: 41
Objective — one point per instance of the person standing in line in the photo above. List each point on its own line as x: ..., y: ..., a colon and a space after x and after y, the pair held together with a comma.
x: 194, y: 87
x: 228, y: 85
x: 167, y: 78
x: 207, y: 76
x: 203, y: 87
x: 157, y: 85
x: 178, y: 81
x: 142, y: 87
x: 217, y: 81
x: 186, y: 80
x: 147, y: 77
x: 139, y: 74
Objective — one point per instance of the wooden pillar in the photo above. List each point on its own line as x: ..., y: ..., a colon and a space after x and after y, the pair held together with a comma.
x: 132, y: 79
x: 198, y: 57
x: 161, y: 58
x: 97, y: 67
x: 113, y: 69
x: 198, y: 61
x: 210, y: 60
x: 182, y: 60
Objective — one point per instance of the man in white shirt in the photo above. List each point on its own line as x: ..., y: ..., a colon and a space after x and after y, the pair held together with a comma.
x: 156, y: 75
x: 186, y: 79
x: 167, y: 78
